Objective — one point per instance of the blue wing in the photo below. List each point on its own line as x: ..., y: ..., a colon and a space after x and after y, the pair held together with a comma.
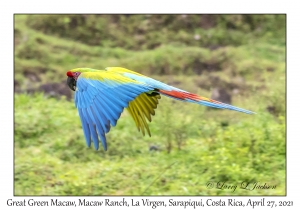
x: 100, y: 104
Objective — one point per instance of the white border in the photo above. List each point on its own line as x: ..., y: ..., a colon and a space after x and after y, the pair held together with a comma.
x: 213, y: 6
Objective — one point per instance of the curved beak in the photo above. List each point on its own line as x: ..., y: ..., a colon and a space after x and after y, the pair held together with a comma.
x: 71, y: 82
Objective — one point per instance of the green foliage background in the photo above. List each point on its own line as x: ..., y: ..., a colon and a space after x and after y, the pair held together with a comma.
x: 242, y: 54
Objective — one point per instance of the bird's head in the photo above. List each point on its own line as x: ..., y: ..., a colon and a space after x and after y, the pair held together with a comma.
x: 72, y: 78
x: 74, y: 74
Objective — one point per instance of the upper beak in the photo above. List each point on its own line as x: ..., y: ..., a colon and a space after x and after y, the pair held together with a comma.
x: 71, y: 83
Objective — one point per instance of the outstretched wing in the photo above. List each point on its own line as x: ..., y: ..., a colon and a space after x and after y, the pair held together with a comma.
x: 100, y: 99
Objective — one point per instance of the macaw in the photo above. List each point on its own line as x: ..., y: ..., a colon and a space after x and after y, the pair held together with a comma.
x: 101, y: 96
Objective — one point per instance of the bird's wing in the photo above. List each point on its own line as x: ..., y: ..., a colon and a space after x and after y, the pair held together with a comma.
x: 141, y: 108
x: 101, y: 97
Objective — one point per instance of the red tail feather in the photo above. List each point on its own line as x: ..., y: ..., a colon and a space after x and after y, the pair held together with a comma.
x: 185, y: 95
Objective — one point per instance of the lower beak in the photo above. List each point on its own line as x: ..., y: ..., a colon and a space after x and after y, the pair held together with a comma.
x: 71, y: 82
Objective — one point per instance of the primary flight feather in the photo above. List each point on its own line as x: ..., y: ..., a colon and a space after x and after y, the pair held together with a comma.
x: 101, y: 96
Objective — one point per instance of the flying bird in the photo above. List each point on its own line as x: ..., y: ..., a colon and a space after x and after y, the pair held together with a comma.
x: 102, y: 95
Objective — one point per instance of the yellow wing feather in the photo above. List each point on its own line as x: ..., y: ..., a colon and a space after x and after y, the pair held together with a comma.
x: 142, y: 107
x: 122, y: 70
